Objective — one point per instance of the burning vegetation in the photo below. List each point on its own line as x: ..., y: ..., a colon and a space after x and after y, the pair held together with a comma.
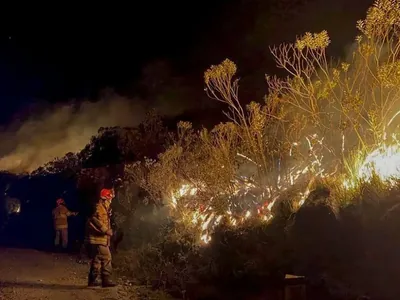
x: 230, y: 197
x: 328, y: 122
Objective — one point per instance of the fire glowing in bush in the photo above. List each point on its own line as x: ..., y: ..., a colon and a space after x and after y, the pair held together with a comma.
x: 383, y: 162
x: 309, y: 130
x: 205, y: 218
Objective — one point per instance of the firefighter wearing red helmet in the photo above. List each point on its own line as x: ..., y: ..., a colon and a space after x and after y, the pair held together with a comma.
x: 60, y: 218
x: 98, y: 234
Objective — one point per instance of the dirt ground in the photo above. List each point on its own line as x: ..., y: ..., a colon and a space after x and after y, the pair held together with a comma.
x: 30, y: 274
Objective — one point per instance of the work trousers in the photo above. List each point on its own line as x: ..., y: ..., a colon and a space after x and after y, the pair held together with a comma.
x: 61, y: 234
x: 100, y: 256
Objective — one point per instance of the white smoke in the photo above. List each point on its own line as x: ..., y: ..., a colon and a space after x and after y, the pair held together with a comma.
x: 59, y: 129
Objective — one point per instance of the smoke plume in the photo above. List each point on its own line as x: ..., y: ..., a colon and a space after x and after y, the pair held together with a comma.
x: 56, y: 130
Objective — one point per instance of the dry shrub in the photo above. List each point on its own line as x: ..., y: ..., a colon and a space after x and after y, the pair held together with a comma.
x: 350, y: 104
x: 318, y: 119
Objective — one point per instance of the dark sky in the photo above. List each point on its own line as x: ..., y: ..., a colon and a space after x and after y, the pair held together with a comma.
x: 73, y: 52
x: 76, y: 51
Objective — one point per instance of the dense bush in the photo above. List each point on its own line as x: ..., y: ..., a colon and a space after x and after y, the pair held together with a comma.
x: 296, y: 184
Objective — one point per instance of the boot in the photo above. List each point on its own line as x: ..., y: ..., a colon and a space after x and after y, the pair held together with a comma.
x: 92, y: 279
x: 107, y: 282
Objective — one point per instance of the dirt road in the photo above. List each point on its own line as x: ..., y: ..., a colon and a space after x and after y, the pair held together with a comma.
x: 30, y: 274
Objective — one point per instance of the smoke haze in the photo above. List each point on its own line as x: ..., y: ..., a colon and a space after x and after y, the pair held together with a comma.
x: 59, y: 129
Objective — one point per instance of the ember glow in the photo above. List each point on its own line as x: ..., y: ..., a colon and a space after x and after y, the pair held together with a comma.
x: 335, y: 120
x: 261, y: 204
x: 383, y: 161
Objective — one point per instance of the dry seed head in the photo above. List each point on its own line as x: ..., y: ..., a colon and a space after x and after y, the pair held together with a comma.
x: 226, y: 69
x: 382, y: 17
x: 389, y: 74
x: 313, y: 41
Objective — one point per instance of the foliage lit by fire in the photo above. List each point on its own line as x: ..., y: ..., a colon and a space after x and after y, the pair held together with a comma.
x: 327, y: 121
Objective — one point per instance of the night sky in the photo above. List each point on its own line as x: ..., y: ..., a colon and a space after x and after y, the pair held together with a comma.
x: 75, y: 52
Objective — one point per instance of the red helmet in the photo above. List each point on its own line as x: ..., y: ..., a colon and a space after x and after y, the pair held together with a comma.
x: 107, y: 194
x: 60, y: 201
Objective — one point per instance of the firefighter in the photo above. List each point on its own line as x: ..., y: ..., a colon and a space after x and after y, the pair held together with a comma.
x: 60, y: 217
x: 98, y: 234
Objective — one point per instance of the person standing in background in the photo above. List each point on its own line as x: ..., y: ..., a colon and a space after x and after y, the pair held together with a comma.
x: 60, y: 218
